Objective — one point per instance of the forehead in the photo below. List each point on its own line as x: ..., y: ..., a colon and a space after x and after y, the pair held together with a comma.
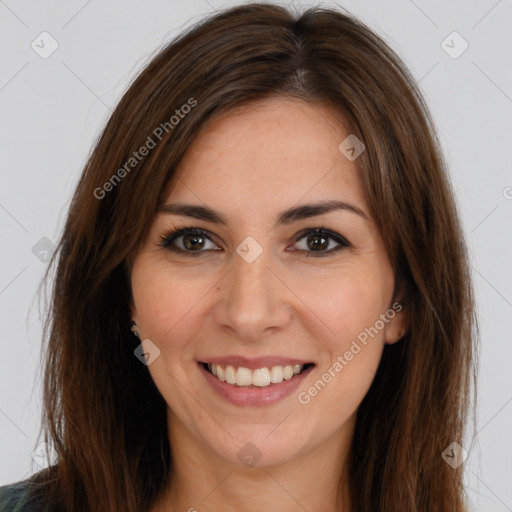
x: 270, y: 150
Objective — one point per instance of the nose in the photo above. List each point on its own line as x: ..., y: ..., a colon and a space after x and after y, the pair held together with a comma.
x: 253, y: 300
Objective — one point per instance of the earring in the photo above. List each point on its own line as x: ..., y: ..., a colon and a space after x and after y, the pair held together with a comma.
x: 133, y: 328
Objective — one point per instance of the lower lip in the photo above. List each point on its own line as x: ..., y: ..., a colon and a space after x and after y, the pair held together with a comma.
x: 255, y: 396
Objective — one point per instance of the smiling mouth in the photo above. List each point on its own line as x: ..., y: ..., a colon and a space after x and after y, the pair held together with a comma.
x: 259, y: 377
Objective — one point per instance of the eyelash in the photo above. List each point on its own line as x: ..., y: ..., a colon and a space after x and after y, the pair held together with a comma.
x: 167, y: 239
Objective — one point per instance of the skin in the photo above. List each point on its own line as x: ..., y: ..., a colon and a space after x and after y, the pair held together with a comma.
x: 250, y: 165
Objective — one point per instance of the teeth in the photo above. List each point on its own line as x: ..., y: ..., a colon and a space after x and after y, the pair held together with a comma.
x: 230, y: 374
x: 276, y: 374
x: 243, y: 377
x: 287, y: 372
x: 260, y: 377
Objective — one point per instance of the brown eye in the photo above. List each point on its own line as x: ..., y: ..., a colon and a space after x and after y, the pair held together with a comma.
x: 322, y: 242
x: 193, y: 242
x: 188, y: 240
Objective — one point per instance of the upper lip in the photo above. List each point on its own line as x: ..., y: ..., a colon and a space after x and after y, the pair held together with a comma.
x: 255, y: 362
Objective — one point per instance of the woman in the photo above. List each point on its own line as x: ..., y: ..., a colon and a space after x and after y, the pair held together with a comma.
x: 262, y: 298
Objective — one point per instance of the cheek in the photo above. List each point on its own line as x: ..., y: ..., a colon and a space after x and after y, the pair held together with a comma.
x: 347, y: 302
x: 165, y: 302
x: 349, y: 306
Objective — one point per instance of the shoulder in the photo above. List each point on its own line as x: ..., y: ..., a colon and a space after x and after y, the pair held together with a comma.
x: 15, y: 497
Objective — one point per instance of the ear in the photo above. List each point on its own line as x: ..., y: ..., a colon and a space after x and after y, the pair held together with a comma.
x: 133, y: 312
x: 398, y: 322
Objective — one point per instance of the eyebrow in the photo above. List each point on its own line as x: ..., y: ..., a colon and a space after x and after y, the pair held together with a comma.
x: 286, y: 217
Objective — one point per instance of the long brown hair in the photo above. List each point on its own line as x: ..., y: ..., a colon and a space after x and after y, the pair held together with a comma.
x: 102, y: 413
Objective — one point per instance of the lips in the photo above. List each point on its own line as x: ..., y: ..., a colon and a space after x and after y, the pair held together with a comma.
x: 264, y: 394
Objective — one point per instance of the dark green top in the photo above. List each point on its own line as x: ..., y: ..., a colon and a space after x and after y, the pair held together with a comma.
x: 14, y: 498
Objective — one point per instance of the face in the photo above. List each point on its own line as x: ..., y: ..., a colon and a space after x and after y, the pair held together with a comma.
x: 260, y: 291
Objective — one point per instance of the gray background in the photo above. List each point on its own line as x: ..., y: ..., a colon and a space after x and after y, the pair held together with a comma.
x: 51, y: 111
